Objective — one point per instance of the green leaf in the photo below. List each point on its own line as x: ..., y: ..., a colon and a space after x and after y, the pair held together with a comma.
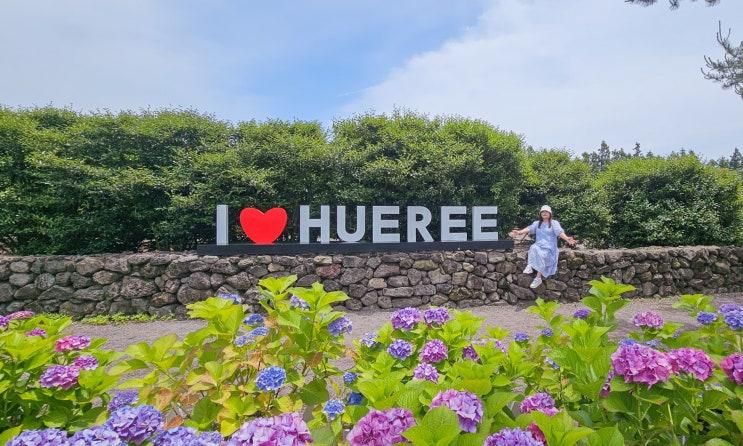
x: 608, y: 436
x: 717, y: 442
x: 439, y: 427
x: 205, y: 413
x: 315, y: 392
x: 7, y: 434
x: 323, y: 435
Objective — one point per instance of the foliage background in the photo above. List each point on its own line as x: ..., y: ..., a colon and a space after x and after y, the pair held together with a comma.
x: 102, y: 182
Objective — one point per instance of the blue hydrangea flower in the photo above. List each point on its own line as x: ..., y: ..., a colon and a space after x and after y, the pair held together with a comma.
x: 340, y: 326
x: 254, y: 320
x: 349, y: 377
x: 240, y: 341
x: 734, y: 319
x: 521, y: 337
x: 725, y: 308
x: 44, y: 437
x: 178, y: 436
x: 626, y: 341
x: 298, y: 302
x: 208, y: 439
x: 400, y: 349
x: 135, y: 424
x: 581, y: 313
x: 235, y: 298
x: 333, y: 408
x: 123, y: 398
x: 706, y: 318
x: 258, y: 331
x: 547, y: 333
x: 655, y: 343
x: 355, y: 399
x: 369, y: 340
x: 270, y: 378
x: 96, y: 436
x: 550, y: 362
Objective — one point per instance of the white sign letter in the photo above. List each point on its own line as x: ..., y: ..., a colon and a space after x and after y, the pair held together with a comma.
x: 447, y: 223
x: 305, y: 223
x: 416, y: 227
x: 478, y: 223
x: 360, y: 224
x: 222, y: 226
x: 378, y: 224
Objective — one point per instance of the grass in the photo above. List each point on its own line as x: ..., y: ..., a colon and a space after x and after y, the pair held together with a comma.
x: 113, y: 319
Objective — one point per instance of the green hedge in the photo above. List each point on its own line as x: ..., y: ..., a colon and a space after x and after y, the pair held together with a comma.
x: 85, y: 183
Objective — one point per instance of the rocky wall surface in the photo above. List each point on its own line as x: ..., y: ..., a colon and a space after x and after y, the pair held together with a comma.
x: 163, y: 283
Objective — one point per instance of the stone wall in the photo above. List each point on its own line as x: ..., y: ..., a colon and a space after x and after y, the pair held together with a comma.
x: 162, y: 283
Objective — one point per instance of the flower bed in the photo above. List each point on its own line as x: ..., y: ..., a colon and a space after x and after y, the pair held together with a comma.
x: 427, y: 377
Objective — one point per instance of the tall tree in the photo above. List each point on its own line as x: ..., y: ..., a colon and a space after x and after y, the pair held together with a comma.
x: 728, y: 71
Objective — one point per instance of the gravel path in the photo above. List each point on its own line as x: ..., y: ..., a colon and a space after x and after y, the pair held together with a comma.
x: 511, y: 317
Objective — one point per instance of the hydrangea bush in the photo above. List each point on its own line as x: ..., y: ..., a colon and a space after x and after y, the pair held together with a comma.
x: 49, y: 379
x: 431, y: 377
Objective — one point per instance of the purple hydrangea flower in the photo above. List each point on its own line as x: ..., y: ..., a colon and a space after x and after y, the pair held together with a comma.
x: 641, y: 364
x: 369, y: 340
x: 349, y: 377
x: 271, y: 378
x: 177, y: 436
x: 69, y: 343
x: 521, y: 337
x: 406, y: 319
x: 648, y: 319
x: 655, y: 343
x: 581, y: 313
x: 425, y: 371
x: 500, y: 345
x: 733, y: 367
x: 706, y: 318
x: 692, y: 361
x: 60, y: 376
x: 18, y: 315
x: 465, y: 404
x: 96, y: 436
x: 378, y: 428
x: 512, y: 437
x: 4, y: 321
x: 547, y: 333
x: 734, y: 319
x: 355, y: 399
x: 254, y: 320
x: 135, y: 424
x: 286, y: 429
x: 724, y: 308
x: 470, y: 353
x: 298, y: 302
x: 44, y: 437
x: 541, y: 402
x: 333, y: 408
x: 551, y: 362
x: 434, y: 351
x: 40, y: 332
x: 123, y: 398
x: 400, y: 349
x: 208, y: 439
x: 436, y: 317
x: 86, y: 362
x: 235, y: 298
x: 340, y: 326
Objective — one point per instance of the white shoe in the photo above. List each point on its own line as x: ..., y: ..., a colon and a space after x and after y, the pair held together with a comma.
x: 528, y: 269
x: 536, y: 282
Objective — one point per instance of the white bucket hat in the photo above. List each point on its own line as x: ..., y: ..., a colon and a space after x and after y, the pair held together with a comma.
x: 546, y: 208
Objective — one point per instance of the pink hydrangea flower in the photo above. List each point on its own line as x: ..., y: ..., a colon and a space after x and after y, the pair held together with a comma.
x: 379, y: 428
x: 60, y: 376
x: 537, y: 433
x: 641, y: 364
x: 18, y: 315
x: 426, y: 371
x: 434, y: 351
x: 692, y: 361
x: 86, y: 362
x: 542, y: 402
x: 69, y: 343
x: 733, y: 367
x: 465, y: 404
x: 40, y: 332
x: 648, y: 319
x: 283, y: 430
x: 406, y: 319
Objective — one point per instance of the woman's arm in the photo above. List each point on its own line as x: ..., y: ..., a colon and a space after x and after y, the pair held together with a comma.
x: 516, y: 232
x: 568, y: 240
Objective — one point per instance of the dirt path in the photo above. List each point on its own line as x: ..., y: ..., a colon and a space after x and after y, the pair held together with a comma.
x: 511, y: 317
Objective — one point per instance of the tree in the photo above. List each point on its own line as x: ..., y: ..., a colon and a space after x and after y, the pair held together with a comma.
x: 729, y: 70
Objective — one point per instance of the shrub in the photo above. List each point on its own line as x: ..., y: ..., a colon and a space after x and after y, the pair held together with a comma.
x: 673, y: 201
x: 48, y: 379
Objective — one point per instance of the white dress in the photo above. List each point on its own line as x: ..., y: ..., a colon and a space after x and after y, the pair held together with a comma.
x: 543, y: 253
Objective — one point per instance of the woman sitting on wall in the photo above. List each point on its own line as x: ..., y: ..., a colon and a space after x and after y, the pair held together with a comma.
x: 543, y: 253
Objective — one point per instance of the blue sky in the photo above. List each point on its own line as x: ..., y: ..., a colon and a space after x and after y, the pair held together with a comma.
x: 563, y: 74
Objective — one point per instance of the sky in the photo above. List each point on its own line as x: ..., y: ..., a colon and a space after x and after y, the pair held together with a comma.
x: 563, y: 74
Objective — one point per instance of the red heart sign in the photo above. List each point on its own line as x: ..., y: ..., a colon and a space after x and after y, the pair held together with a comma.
x: 263, y: 229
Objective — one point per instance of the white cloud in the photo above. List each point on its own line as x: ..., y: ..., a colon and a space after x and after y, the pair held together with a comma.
x: 120, y: 55
x: 574, y: 72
